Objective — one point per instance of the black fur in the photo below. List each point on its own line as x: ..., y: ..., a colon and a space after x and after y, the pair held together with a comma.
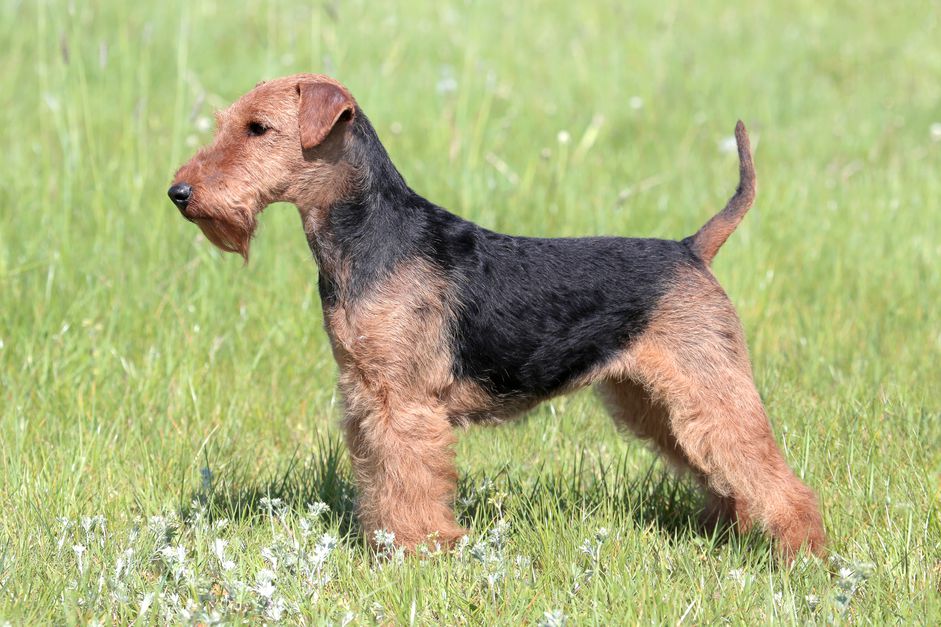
x: 537, y: 313
x: 533, y: 314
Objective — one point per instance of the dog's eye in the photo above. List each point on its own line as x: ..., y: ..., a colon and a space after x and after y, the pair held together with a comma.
x: 257, y: 128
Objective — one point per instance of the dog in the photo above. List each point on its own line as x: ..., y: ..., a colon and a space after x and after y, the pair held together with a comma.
x: 437, y: 323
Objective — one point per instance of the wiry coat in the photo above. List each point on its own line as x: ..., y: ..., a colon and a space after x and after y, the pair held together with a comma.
x: 436, y: 322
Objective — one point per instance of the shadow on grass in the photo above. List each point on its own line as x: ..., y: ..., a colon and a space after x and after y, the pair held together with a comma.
x: 655, y: 498
x: 323, y: 477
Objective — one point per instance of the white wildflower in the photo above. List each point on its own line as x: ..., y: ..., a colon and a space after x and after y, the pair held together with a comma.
x: 218, y: 549
x: 447, y: 83
x: 553, y: 618
x: 175, y: 559
x: 273, y: 506
x: 79, y: 551
x: 851, y: 578
x: 317, y: 509
x: 65, y: 523
x: 145, y: 602
x: 461, y: 546
x: 327, y: 544
x: 264, y: 582
x: 934, y: 130
x: 275, y: 609
x: 728, y: 145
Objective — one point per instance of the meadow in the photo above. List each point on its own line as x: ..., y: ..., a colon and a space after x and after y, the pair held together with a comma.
x: 169, y: 440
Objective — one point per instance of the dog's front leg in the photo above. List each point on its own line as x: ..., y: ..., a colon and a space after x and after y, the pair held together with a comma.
x: 403, y: 458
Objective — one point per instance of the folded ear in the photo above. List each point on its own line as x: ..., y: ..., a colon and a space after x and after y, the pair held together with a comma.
x: 322, y: 106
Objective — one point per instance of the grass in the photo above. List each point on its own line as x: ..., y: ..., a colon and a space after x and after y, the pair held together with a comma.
x: 143, y: 374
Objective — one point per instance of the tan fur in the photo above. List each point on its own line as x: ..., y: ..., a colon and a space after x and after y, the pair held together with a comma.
x: 691, y: 369
x: 685, y: 384
x: 707, y: 241
x: 236, y: 177
x: 395, y: 377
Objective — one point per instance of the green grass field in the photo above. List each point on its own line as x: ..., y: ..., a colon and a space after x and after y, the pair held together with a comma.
x: 168, y: 414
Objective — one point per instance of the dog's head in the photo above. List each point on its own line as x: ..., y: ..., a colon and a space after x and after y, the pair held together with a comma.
x: 285, y: 140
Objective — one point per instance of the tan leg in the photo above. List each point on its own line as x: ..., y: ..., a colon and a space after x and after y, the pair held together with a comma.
x: 631, y: 407
x: 719, y: 422
x: 404, y: 465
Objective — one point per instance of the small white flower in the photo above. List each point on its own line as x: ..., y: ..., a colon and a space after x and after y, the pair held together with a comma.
x: 635, y: 102
x: 275, y: 609
x: 461, y: 546
x: 317, y: 509
x: 383, y: 538
x: 264, y: 582
x: 218, y: 549
x: 552, y: 618
x: 79, y: 551
x: 203, y: 124
x: 563, y: 137
x: 145, y: 602
x: 328, y: 542
x: 728, y: 145
x: 63, y: 533
x: 447, y: 83
x: 934, y: 129
x: 273, y: 506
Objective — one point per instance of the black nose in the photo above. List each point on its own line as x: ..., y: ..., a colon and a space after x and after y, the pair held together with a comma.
x: 180, y: 194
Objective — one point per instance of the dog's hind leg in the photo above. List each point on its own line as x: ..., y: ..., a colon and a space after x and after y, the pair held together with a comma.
x: 631, y: 407
x: 693, y: 360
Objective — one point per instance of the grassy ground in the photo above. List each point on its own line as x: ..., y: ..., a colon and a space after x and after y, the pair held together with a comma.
x: 151, y: 389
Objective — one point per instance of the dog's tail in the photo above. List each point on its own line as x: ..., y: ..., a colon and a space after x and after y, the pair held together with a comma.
x: 707, y: 241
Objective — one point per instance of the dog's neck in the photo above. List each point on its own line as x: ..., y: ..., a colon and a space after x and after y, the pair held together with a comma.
x: 359, y: 237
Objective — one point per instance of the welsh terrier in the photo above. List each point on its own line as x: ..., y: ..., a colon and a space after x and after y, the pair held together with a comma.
x: 437, y: 323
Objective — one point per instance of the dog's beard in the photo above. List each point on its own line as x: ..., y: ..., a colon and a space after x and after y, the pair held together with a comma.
x: 232, y: 234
